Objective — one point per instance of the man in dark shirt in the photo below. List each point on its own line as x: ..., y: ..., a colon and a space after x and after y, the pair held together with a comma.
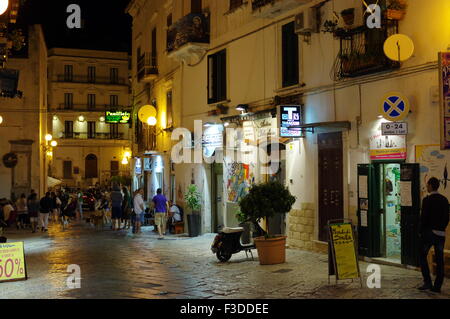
x: 434, y: 221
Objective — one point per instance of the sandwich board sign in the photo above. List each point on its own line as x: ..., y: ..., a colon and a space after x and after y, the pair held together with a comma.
x: 343, y: 257
x: 12, y: 262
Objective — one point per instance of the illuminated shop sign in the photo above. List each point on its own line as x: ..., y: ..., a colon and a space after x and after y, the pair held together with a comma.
x: 290, y: 120
x: 118, y: 117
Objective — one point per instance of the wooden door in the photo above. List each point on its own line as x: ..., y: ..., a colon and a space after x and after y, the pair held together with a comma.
x: 91, y: 166
x: 331, y: 201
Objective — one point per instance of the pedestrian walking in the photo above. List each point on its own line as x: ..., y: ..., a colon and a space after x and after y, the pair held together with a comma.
x: 139, y: 210
x: 116, y: 206
x: 434, y: 221
x: 56, y: 205
x: 45, y: 209
x: 161, y: 209
x: 126, y: 208
x: 33, y: 211
x: 80, y: 204
x: 22, y: 212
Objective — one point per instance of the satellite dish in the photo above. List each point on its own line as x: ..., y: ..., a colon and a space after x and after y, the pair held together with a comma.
x: 399, y: 47
x: 145, y: 112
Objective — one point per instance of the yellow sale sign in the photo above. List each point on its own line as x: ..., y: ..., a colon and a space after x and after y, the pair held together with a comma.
x: 12, y: 262
x: 344, y: 251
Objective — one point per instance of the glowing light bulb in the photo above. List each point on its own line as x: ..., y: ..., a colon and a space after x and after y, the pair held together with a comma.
x: 152, y: 121
x: 124, y: 161
x: 4, y: 4
x: 54, y: 143
x: 48, y: 137
x: 1, y: 119
x: 127, y: 154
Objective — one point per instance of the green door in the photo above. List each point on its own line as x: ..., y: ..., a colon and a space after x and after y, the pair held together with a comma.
x: 369, y: 211
x: 410, y: 210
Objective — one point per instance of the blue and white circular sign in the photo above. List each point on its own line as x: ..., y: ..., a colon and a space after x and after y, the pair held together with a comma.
x: 395, y: 107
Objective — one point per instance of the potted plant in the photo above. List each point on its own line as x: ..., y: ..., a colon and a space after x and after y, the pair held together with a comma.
x: 193, y: 202
x: 262, y: 202
x: 396, y: 9
x: 349, y: 16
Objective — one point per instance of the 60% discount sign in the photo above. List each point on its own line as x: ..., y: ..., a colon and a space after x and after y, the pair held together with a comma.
x: 12, y: 262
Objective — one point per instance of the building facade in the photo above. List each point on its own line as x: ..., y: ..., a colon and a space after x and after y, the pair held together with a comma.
x: 24, y: 118
x: 89, y: 116
x: 234, y: 64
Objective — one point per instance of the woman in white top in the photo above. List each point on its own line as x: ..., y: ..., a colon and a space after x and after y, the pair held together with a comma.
x: 139, y: 209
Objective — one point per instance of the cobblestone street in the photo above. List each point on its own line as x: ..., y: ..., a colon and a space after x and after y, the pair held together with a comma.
x: 123, y: 265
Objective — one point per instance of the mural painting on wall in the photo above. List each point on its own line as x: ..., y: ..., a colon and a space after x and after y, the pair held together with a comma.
x: 239, y: 181
x: 433, y: 163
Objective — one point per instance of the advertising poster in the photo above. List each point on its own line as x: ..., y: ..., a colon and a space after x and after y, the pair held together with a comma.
x: 387, y: 147
x: 12, y: 262
x: 444, y: 77
x: 344, y: 251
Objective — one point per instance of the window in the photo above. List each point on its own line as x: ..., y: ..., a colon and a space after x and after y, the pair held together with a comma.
x: 67, y: 170
x: 91, y: 130
x: 290, y: 62
x: 114, y: 131
x: 217, y: 77
x: 91, y: 101
x: 91, y: 74
x: 68, y: 101
x: 169, y: 20
x: 68, y: 129
x: 154, y: 48
x: 113, y: 100
x: 235, y: 4
x: 196, y: 6
x: 169, y: 109
x: 114, y: 168
x: 68, y: 73
x: 114, y: 75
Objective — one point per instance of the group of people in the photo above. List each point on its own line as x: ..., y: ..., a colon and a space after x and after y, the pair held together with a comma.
x: 32, y: 212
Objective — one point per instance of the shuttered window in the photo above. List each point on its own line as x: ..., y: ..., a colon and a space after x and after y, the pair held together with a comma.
x: 290, y: 55
x: 217, y: 77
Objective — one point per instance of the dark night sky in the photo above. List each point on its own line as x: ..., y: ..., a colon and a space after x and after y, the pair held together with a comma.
x: 106, y: 26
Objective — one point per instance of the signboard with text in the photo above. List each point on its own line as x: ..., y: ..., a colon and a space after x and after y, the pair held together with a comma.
x: 444, y: 88
x: 12, y: 262
x: 394, y: 128
x: 290, y: 121
x: 117, y: 117
x: 343, y: 248
x: 391, y: 147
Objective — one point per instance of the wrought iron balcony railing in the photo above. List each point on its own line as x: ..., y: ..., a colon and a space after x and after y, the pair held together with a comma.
x: 92, y: 136
x: 361, y: 52
x: 67, y: 78
x: 147, y: 66
x: 193, y: 28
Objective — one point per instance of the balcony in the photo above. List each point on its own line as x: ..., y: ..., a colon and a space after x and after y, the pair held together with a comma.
x: 361, y: 51
x: 269, y: 9
x: 84, y: 79
x: 87, y: 108
x: 188, y: 37
x: 94, y: 136
x: 147, y: 67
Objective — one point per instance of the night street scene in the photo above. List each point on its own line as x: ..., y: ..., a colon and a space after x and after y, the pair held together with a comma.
x: 215, y: 156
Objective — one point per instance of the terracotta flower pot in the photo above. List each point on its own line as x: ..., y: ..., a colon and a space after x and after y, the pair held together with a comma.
x: 395, y: 14
x: 271, y: 251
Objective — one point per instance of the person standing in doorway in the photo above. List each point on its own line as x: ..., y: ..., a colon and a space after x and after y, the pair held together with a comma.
x: 161, y: 209
x: 22, y: 212
x: 434, y: 221
x: 116, y: 205
x: 139, y: 210
x: 45, y: 209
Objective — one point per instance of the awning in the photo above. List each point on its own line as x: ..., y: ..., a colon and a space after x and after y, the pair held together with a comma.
x: 52, y: 182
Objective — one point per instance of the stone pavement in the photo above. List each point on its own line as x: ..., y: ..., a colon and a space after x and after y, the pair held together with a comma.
x: 123, y: 265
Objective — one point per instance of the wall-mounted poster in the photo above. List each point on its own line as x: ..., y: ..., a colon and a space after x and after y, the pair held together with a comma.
x: 391, y: 147
x: 444, y: 89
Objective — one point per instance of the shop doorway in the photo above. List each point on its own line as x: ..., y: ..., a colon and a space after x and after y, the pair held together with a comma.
x: 217, y: 197
x: 389, y: 212
x: 331, y: 180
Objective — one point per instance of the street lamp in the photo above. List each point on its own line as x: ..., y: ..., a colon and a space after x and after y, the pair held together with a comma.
x: 152, y: 121
x: 4, y: 4
x: 1, y: 119
x: 125, y: 161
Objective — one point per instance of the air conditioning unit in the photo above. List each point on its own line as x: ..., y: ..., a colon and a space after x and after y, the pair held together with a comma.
x: 306, y: 22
